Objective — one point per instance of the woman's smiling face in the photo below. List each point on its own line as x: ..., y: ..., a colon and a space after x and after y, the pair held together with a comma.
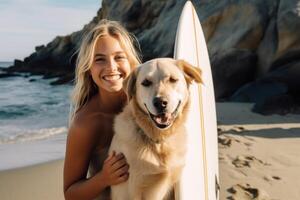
x: 110, y: 64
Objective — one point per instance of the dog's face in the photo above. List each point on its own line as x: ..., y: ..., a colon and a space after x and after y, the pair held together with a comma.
x: 160, y: 87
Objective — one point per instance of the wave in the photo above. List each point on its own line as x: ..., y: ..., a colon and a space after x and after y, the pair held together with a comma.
x: 34, y: 135
x: 13, y: 111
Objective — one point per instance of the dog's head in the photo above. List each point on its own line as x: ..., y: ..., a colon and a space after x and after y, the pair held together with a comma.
x: 160, y: 87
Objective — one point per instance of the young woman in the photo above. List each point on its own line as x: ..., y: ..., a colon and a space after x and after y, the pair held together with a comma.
x: 105, y: 59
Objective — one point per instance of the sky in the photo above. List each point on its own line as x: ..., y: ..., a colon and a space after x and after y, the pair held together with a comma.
x: 25, y: 24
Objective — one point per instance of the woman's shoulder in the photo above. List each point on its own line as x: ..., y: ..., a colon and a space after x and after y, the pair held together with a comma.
x: 81, y: 131
x: 85, y: 121
x: 82, y: 136
x: 88, y: 120
x: 87, y: 113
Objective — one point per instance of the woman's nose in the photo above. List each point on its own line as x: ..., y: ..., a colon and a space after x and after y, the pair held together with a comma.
x: 112, y: 64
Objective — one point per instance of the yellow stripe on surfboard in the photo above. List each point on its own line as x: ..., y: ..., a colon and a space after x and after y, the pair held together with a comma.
x: 201, y: 114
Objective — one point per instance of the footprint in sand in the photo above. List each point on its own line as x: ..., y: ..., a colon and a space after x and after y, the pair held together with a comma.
x: 247, y: 161
x: 248, y: 144
x: 276, y: 177
x: 224, y: 159
x: 246, y: 192
x: 220, y: 131
x: 224, y: 141
x: 270, y: 178
x: 239, y: 128
x: 235, y: 130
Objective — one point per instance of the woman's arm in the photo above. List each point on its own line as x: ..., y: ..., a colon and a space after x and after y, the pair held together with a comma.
x: 80, y: 144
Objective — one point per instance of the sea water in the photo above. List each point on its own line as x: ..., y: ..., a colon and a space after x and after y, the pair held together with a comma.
x: 33, y: 119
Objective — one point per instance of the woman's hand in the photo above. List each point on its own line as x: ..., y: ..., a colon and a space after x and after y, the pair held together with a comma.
x: 115, y: 169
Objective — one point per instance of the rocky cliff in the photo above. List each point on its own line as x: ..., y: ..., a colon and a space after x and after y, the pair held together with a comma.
x: 254, y: 46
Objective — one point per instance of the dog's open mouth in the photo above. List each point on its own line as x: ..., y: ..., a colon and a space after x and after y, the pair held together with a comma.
x: 164, y: 120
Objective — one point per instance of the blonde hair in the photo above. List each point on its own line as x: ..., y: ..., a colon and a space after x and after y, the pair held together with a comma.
x: 85, y: 88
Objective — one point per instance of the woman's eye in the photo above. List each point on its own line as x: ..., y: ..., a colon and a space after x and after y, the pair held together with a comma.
x: 99, y: 59
x: 173, y: 80
x: 146, y: 83
x: 120, y: 57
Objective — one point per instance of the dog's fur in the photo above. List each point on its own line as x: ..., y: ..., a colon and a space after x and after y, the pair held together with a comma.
x: 156, y: 155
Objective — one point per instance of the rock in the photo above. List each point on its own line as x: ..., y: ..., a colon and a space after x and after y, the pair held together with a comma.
x: 275, y: 93
x: 18, y: 63
x: 258, y: 91
x: 6, y: 75
x: 32, y: 80
x: 153, y: 22
x: 235, y: 68
x: 38, y: 48
x: 63, y: 80
x: 279, y: 104
x: 234, y: 24
x: 254, y: 46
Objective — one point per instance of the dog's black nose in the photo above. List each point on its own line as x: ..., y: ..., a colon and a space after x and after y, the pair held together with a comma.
x: 160, y: 103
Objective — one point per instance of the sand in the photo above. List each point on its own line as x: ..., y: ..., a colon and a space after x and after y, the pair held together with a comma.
x: 259, y: 156
x: 259, y: 159
x: 38, y: 182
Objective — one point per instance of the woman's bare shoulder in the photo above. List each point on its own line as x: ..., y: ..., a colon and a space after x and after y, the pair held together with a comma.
x: 83, y: 124
x: 80, y: 136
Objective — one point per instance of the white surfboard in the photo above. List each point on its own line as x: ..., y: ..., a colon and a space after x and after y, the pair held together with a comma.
x: 200, y: 178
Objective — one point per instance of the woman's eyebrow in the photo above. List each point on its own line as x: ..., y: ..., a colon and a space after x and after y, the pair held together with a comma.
x: 103, y: 55
x: 117, y: 52
x: 99, y: 55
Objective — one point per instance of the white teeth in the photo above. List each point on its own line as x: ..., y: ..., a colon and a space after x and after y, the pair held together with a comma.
x: 112, y: 77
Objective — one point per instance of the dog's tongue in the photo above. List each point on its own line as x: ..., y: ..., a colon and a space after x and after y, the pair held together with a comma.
x: 163, y: 118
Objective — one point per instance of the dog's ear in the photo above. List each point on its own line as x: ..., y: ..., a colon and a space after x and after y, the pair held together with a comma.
x: 190, y: 72
x: 129, y: 84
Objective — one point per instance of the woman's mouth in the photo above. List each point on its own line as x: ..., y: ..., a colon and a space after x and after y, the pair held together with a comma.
x: 113, y: 77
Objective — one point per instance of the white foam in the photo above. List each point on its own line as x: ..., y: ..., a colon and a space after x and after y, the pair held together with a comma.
x: 30, y: 152
x: 33, y: 135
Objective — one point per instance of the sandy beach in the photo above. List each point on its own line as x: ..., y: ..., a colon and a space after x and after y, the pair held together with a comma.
x: 37, y: 182
x: 259, y: 159
x: 32, y: 170
x: 259, y: 156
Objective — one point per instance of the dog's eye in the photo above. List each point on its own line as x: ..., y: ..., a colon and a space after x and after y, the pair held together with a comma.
x: 146, y: 83
x: 173, y: 80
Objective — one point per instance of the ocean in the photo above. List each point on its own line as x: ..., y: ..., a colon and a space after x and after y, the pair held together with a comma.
x: 33, y: 115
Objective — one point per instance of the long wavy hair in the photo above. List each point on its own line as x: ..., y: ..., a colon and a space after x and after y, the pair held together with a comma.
x: 85, y: 88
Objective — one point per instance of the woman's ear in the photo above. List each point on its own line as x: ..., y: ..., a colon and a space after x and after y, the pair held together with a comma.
x: 191, y: 73
x: 129, y: 84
